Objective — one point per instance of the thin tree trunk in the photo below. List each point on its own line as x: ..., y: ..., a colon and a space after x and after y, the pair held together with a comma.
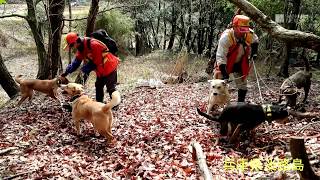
x: 165, y: 29
x: 173, y: 26
x: 6, y: 80
x: 158, y: 19
x: 189, y: 26
x: 43, y: 71
x: 56, y: 10
x: 94, y: 8
x: 70, y: 29
x: 200, y: 29
x: 155, y: 35
x: 291, y: 23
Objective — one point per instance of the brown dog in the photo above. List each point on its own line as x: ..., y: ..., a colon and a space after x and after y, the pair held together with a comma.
x: 83, y: 107
x: 48, y: 87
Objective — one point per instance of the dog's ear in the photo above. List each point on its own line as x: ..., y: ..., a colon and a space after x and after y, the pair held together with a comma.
x: 210, y: 80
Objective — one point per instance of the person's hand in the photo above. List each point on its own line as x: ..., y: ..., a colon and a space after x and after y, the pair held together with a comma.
x: 224, y: 73
x: 64, y: 74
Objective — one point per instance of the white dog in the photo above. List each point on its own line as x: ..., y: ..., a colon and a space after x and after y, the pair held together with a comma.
x: 219, y: 94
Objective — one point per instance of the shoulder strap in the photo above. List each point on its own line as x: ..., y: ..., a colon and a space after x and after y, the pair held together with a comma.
x: 88, y: 43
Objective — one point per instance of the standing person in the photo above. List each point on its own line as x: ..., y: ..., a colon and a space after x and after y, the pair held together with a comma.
x: 99, y: 59
x: 236, y: 46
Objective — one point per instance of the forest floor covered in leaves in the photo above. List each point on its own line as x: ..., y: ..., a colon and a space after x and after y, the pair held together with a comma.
x: 153, y: 129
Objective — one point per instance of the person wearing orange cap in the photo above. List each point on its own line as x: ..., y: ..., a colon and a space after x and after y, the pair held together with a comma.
x: 98, y: 58
x: 236, y: 47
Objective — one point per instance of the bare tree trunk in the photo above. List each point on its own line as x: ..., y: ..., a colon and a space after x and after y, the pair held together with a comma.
x: 189, y: 26
x: 165, y: 29
x: 94, y: 8
x: 200, y: 29
x: 294, y: 37
x: 173, y: 25
x: 142, y: 45
x: 155, y: 35
x: 56, y: 10
x: 6, y: 80
x: 291, y: 22
x: 70, y: 29
x: 43, y: 72
x: 158, y: 20
x: 212, y: 27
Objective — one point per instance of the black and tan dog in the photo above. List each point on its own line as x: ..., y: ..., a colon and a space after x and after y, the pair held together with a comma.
x: 49, y: 87
x: 236, y: 118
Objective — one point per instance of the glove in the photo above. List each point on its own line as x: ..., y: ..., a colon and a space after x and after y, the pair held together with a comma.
x: 64, y: 74
x: 254, y: 51
x: 223, y: 69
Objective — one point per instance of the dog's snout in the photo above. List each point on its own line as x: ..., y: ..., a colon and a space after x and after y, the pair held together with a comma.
x: 215, y: 94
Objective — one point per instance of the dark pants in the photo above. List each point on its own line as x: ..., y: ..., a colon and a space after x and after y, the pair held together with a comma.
x: 109, y: 81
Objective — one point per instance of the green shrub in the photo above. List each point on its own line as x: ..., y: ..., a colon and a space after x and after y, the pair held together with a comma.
x: 119, y: 26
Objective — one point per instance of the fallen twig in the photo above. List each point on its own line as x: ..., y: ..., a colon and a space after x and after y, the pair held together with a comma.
x: 198, y: 155
x: 4, y: 151
x: 17, y: 175
x: 304, y: 127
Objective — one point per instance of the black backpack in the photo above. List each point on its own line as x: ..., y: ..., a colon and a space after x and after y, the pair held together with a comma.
x: 102, y: 36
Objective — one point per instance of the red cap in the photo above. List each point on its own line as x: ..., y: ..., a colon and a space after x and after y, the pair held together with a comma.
x: 241, y: 22
x: 70, y: 39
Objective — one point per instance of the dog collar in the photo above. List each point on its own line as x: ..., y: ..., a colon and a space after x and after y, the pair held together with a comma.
x: 267, y: 111
x: 74, y: 99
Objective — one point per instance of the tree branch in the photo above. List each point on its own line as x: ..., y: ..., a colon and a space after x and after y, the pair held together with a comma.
x: 294, y: 37
x: 107, y: 9
x: 13, y: 15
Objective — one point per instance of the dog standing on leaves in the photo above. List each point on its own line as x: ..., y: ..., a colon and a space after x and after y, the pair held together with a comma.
x: 301, y: 79
x: 219, y: 94
x: 83, y: 107
x: 236, y: 118
x: 48, y: 87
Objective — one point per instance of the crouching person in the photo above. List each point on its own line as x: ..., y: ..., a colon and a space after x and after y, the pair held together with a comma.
x: 99, y: 59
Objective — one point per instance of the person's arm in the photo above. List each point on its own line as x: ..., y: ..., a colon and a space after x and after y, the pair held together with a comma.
x: 222, y: 52
x: 254, y: 47
x: 72, y: 67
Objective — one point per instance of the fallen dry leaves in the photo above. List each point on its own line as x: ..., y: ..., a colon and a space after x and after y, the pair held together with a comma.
x: 153, y: 129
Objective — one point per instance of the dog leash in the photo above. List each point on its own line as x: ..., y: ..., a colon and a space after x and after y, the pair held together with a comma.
x: 280, y: 94
x: 255, y: 72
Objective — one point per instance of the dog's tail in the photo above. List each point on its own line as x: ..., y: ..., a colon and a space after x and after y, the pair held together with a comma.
x: 115, y: 100
x: 213, y: 118
x: 18, y: 78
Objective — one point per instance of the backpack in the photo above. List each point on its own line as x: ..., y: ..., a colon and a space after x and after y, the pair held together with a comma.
x: 102, y: 36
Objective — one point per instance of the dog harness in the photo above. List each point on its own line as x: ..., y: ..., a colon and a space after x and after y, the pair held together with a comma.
x: 267, y: 111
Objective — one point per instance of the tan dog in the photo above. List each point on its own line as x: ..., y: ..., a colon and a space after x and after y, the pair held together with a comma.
x: 48, y: 87
x: 83, y: 107
x: 219, y: 94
